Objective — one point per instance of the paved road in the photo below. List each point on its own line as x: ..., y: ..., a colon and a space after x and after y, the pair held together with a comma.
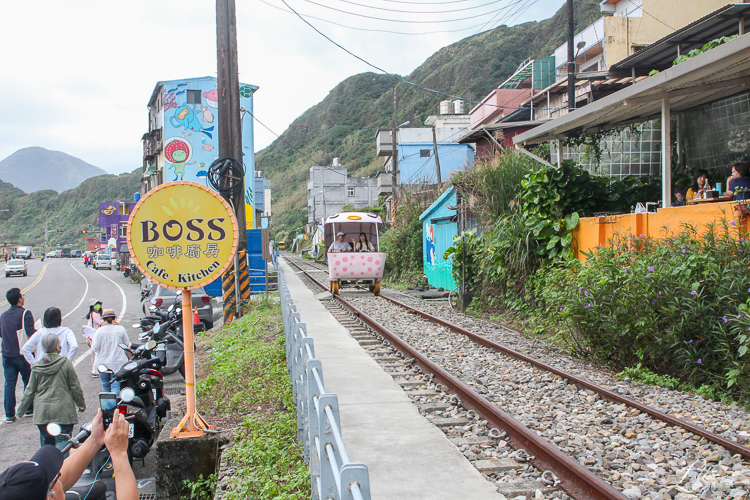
x: 67, y: 284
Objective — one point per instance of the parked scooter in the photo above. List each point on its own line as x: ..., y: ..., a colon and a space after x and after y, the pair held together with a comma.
x: 141, y: 397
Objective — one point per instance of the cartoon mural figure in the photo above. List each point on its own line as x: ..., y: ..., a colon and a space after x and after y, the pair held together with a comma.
x: 208, y: 117
x: 177, y: 151
x: 212, y: 98
x: 185, y: 116
x: 430, y: 244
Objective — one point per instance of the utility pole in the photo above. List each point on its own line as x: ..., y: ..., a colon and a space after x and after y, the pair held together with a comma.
x: 571, y: 61
x: 437, y: 158
x: 235, y: 283
x: 394, y: 163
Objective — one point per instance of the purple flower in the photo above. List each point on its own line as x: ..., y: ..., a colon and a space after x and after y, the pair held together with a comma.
x: 739, y: 316
x: 651, y: 268
x: 585, y: 292
x: 653, y: 302
x: 700, y: 361
x: 647, y: 275
x: 561, y: 309
x: 747, y: 291
x: 641, y: 236
x: 659, y: 293
x: 733, y: 223
x: 683, y: 250
x: 742, y: 239
x: 579, y: 288
x: 691, y: 341
x: 588, y: 305
x: 713, y: 327
x: 693, y: 292
x: 725, y: 319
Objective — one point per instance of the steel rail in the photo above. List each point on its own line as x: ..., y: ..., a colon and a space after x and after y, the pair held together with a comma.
x: 606, y: 393
x: 576, y: 480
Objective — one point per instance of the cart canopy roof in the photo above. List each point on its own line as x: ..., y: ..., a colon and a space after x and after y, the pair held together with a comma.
x: 351, y: 223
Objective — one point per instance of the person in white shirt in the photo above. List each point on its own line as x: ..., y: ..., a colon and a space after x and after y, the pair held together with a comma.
x: 106, y: 347
x: 340, y: 245
x: 52, y: 324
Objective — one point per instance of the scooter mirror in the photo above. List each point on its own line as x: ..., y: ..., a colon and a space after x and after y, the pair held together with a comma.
x: 127, y: 394
x: 137, y: 325
x: 157, y: 328
x: 153, y: 301
x: 123, y: 345
x: 102, y: 368
x: 54, y: 429
x: 170, y: 308
x: 151, y: 345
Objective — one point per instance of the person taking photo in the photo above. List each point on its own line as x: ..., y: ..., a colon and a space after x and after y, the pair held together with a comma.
x: 47, y: 475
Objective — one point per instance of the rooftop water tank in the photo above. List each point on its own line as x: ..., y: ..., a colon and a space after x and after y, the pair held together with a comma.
x: 335, y: 162
x: 458, y: 107
x: 446, y: 107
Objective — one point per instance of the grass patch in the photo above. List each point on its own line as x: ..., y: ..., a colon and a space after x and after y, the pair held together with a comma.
x: 245, y: 381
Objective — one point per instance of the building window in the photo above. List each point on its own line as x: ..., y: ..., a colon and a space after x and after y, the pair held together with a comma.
x: 424, y: 153
x: 193, y: 96
x: 124, y: 209
x: 350, y: 191
x: 123, y: 231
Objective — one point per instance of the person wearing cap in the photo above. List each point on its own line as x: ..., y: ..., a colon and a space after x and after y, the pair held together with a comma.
x: 340, y: 245
x: 47, y: 476
x: 107, y: 350
x: 15, y: 324
x: 55, y: 390
x: 93, y: 322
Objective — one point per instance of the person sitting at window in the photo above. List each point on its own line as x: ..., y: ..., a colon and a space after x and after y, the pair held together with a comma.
x: 739, y: 185
x: 363, y: 245
x: 340, y: 245
x: 679, y: 193
x: 700, y: 185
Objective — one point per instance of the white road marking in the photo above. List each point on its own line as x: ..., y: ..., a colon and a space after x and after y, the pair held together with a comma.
x: 84, y: 293
x: 122, y: 292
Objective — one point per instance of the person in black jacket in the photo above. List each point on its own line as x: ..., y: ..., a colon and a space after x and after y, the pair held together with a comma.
x: 14, y: 319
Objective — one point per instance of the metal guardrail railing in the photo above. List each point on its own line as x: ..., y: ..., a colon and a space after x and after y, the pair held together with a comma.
x: 332, y: 475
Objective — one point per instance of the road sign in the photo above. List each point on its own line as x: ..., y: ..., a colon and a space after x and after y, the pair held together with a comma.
x: 182, y: 235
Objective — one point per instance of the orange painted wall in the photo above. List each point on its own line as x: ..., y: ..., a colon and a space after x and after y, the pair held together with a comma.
x: 593, y: 232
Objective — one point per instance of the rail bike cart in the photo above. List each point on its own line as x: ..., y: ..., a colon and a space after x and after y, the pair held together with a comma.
x: 351, y: 269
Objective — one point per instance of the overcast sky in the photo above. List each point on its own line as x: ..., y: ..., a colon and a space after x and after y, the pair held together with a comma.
x: 76, y: 76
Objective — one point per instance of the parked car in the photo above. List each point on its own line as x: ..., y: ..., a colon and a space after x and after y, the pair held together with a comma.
x: 16, y: 266
x: 164, y: 297
x: 102, y: 261
x: 54, y: 254
x: 76, y: 254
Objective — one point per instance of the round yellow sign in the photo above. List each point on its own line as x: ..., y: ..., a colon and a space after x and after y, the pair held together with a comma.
x: 182, y: 235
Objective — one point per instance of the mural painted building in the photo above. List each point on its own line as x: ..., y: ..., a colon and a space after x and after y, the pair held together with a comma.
x: 113, y: 225
x: 439, y: 227
x: 183, y: 140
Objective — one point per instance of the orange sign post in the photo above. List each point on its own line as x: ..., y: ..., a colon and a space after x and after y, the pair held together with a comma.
x: 183, y: 235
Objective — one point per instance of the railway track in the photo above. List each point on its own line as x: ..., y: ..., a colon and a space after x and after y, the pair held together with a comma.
x: 634, y: 450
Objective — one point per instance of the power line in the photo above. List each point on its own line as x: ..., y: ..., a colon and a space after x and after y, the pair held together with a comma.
x: 369, y: 29
x: 400, y: 20
x: 396, y: 76
x: 421, y: 12
x: 650, y: 14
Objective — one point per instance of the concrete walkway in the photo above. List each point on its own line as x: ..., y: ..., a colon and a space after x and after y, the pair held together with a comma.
x: 406, y: 455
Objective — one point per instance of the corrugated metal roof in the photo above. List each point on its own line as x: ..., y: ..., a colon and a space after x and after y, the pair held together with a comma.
x: 662, y: 53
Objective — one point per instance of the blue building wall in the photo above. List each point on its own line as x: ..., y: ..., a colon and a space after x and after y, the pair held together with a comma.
x: 414, y: 167
x: 191, y: 130
x: 437, y: 236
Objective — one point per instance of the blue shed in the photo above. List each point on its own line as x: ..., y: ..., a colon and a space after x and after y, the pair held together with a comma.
x: 439, y: 226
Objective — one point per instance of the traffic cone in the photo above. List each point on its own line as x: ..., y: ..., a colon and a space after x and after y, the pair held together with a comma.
x: 196, y: 319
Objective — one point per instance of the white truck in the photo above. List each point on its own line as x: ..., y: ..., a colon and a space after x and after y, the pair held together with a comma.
x: 24, y: 252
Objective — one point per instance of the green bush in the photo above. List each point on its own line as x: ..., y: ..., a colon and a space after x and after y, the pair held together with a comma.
x: 676, y: 306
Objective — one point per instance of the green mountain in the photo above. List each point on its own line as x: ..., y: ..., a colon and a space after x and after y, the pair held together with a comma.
x: 343, y: 124
x: 35, y: 169
x: 70, y: 211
